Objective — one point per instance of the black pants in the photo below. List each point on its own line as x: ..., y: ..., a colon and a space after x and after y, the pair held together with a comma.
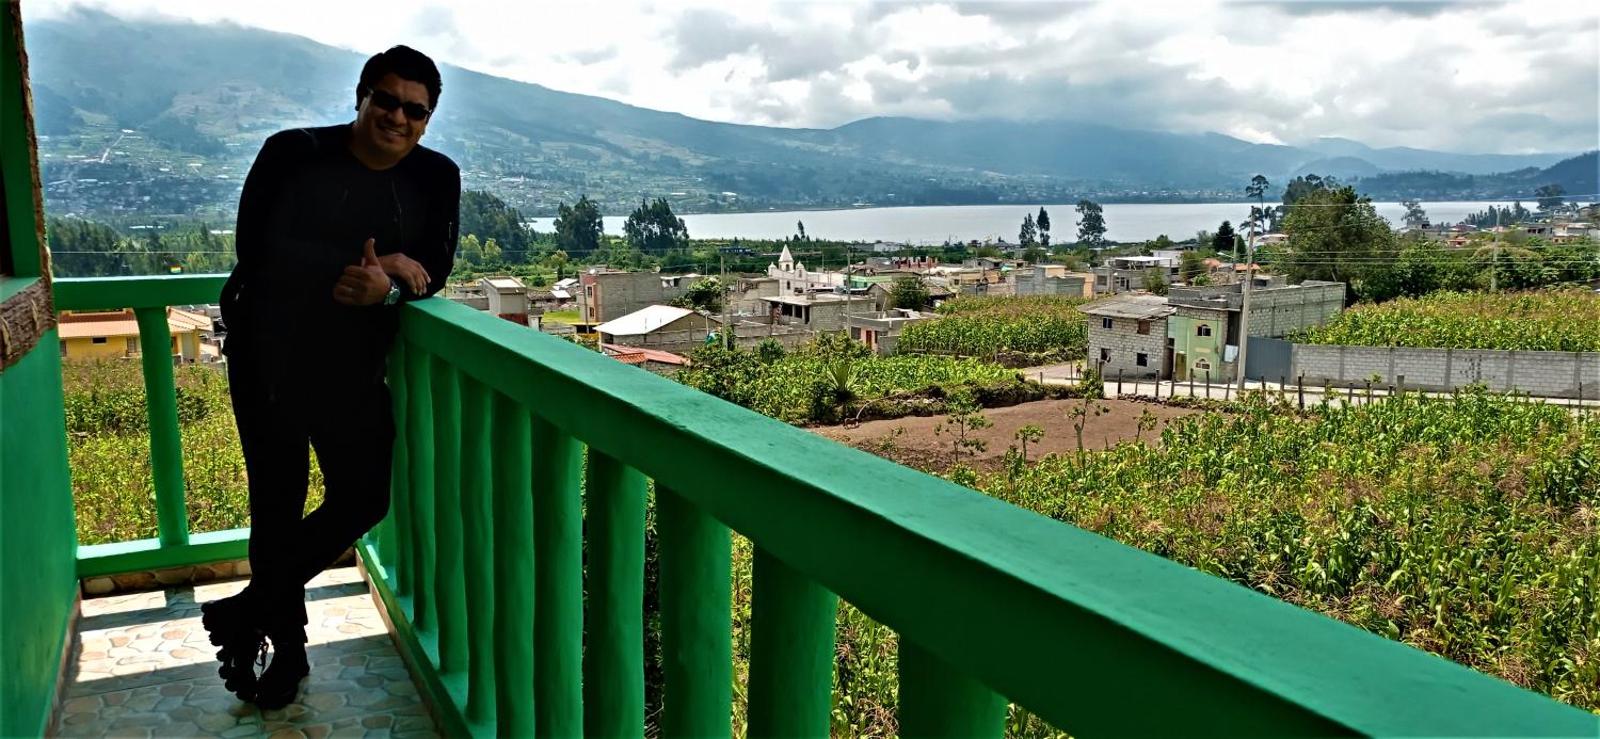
x: 351, y: 427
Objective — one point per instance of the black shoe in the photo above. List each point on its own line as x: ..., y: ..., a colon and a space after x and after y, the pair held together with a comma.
x: 243, y: 646
x: 280, y: 684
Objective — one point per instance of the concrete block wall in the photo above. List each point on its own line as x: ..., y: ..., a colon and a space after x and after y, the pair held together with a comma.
x: 1548, y: 374
x: 1126, y: 343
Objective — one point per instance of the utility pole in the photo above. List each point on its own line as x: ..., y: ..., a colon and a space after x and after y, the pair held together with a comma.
x: 1494, y: 266
x: 1244, y: 307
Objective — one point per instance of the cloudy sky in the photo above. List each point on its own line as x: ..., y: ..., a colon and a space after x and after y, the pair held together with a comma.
x: 1475, y: 77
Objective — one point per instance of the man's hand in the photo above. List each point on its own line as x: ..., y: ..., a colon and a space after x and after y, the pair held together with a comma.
x: 406, y: 271
x: 362, y: 284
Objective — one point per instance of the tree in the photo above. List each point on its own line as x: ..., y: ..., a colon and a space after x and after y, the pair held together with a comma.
x: 704, y: 295
x: 908, y: 292
x: 1190, y: 266
x: 558, y: 259
x: 1035, y: 255
x: 1335, y: 234
x: 1162, y: 241
x: 653, y: 229
x: 578, y: 227
x: 491, y: 218
x: 1222, y: 240
x: 801, y: 236
x: 1091, y: 224
x: 1415, y: 216
x: 1043, y: 223
x: 1029, y: 234
x: 1259, y: 219
x: 1551, y: 197
x: 1154, y: 282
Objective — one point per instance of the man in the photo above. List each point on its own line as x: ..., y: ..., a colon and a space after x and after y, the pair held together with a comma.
x: 337, y: 225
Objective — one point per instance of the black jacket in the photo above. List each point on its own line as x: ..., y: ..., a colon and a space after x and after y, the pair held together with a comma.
x: 307, y: 208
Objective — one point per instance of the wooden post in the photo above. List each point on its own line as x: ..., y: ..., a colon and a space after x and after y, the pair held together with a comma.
x: 1119, y: 382
x: 1300, y: 388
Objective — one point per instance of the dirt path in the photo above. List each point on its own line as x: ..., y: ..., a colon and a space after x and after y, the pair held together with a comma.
x: 912, y: 441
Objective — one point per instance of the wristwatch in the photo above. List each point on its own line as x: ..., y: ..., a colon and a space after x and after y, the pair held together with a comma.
x: 394, y: 293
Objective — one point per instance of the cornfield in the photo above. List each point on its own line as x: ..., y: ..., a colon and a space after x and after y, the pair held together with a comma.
x: 1564, y: 321
x: 983, y: 326
x: 1467, y: 526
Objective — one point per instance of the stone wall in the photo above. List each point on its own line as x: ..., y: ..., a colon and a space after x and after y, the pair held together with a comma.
x: 1125, y: 343
x: 1548, y: 374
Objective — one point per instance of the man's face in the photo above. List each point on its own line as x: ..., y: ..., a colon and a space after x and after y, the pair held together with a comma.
x: 392, y: 131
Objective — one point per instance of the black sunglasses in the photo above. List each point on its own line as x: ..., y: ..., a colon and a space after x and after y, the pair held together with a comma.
x: 388, y: 102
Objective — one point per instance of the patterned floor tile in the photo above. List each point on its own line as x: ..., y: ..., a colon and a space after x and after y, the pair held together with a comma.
x: 146, y: 669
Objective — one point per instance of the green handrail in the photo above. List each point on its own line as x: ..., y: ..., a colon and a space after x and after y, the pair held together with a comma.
x: 149, y: 298
x: 989, y: 600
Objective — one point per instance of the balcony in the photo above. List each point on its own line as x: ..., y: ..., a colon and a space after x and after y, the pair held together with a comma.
x: 510, y: 573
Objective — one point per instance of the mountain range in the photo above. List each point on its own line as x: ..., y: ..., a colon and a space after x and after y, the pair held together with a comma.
x: 164, y: 116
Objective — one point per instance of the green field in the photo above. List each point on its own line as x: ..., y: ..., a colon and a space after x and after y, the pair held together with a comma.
x: 1550, y: 320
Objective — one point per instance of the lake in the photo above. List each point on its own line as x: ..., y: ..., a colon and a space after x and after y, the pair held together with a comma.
x: 935, y: 224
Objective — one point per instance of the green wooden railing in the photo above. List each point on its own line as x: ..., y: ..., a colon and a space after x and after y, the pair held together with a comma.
x: 514, y: 445
x: 149, y: 298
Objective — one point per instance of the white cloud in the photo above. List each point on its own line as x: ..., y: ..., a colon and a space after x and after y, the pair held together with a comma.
x: 1471, y: 76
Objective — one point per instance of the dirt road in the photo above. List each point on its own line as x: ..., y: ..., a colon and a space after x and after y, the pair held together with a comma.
x: 913, y: 441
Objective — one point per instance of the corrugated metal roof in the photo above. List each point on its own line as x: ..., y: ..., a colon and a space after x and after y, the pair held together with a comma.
x: 643, y: 321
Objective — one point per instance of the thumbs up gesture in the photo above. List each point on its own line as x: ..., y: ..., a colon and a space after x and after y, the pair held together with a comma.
x: 364, y: 283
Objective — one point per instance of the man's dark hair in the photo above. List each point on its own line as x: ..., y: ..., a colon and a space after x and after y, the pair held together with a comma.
x: 407, y: 64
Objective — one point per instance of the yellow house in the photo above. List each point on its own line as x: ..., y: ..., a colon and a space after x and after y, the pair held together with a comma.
x: 106, y: 334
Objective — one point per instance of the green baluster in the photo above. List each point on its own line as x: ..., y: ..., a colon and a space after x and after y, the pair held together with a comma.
x: 613, y: 670
x: 558, y: 582
x: 393, y: 531
x: 513, y: 569
x: 791, y: 652
x: 161, y: 405
x: 936, y: 700
x: 477, y: 516
x: 450, y: 588
x: 696, y: 620
x: 419, y: 448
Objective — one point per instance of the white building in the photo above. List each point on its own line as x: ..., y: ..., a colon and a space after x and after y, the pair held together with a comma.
x: 794, y: 279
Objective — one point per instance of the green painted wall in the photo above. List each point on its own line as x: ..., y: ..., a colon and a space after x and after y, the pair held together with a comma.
x: 1181, y: 329
x: 38, y: 541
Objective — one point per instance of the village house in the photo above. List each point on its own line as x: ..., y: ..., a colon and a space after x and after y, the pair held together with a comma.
x: 113, y: 334
x: 1127, y: 334
x: 662, y: 327
x: 608, y: 294
x: 507, y: 298
x: 1200, y: 326
x: 1052, y: 279
x: 818, y: 311
x: 1123, y: 274
x: 880, y: 331
x: 653, y: 360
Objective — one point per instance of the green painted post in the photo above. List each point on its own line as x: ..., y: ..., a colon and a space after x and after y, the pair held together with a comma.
x: 513, y: 569
x: 791, y: 652
x: 477, y: 516
x: 419, y: 453
x: 696, y: 620
x: 400, y: 560
x: 613, y: 669
x: 161, y: 405
x: 450, y: 588
x: 936, y: 700
x: 558, y: 582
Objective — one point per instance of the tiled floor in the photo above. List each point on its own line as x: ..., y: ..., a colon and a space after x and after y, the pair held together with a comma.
x: 147, y: 670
